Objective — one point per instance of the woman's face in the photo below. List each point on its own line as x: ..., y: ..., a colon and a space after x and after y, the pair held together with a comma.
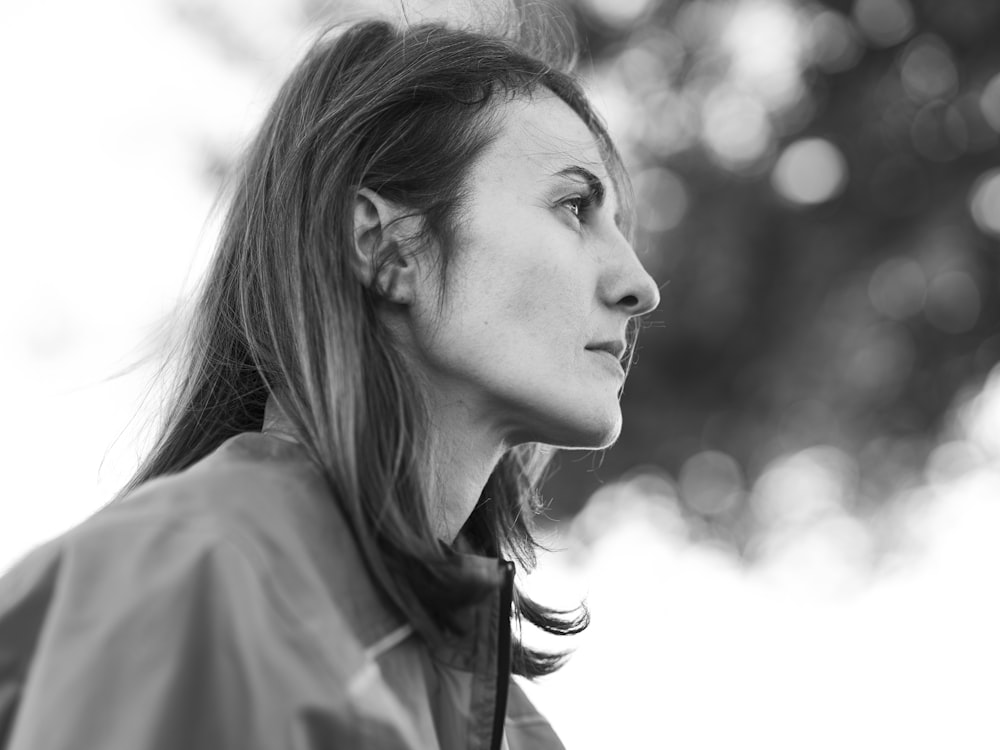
x: 531, y: 323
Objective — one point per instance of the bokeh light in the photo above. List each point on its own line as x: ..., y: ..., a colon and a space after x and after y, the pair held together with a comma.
x: 617, y: 107
x: 671, y: 123
x: 989, y: 102
x: 984, y: 202
x: 953, y: 302
x: 661, y: 199
x: 884, y: 22
x: 878, y: 359
x: 735, y: 127
x: 952, y: 460
x: 809, y: 171
x: 711, y: 483
x: 764, y: 42
x: 619, y: 13
x: 938, y: 132
x: 700, y: 22
x: 651, y: 64
x: 979, y: 417
x: 801, y: 488
x: 898, y: 288
x: 927, y: 70
x: 967, y: 109
x: 833, y: 42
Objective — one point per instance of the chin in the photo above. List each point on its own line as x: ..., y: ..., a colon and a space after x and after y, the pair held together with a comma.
x: 595, y: 431
x: 588, y: 422
x: 607, y: 439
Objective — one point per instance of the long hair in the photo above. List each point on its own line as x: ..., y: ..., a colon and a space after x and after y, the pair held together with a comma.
x: 404, y: 112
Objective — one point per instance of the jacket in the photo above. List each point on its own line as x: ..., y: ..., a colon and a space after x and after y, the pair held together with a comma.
x: 227, y: 606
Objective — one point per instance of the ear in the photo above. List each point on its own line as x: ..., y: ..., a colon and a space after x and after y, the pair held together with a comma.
x: 382, y: 230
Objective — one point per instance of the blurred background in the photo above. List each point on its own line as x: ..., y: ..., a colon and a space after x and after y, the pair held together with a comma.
x: 794, y: 542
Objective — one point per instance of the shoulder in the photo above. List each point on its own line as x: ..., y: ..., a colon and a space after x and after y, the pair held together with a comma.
x: 254, y: 520
x: 261, y: 495
x: 251, y: 510
x: 176, y: 640
x: 247, y: 481
x: 205, y: 584
x: 129, y: 561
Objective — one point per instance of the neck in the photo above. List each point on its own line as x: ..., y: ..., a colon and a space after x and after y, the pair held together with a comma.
x: 465, y: 458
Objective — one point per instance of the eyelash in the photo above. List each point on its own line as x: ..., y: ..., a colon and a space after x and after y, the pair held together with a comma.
x: 584, y: 203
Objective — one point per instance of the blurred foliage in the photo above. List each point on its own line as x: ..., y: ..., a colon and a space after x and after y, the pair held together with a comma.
x: 832, y: 271
x: 818, y: 194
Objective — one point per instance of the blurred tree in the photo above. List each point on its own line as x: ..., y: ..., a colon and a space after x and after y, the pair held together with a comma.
x: 818, y: 193
x: 829, y: 281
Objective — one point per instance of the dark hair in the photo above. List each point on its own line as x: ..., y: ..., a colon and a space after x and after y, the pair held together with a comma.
x: 404, y: 112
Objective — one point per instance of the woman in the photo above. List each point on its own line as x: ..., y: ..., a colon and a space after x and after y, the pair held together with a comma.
x: 423, y: 278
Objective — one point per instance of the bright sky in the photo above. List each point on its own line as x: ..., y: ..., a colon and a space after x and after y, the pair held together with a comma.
x: 102, y: 217
x: 688, y: 650
x: 109, y: 106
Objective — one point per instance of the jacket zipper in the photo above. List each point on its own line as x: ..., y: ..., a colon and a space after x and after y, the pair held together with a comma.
x: 503, y: 655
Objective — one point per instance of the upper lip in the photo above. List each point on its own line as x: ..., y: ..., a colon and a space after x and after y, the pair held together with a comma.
x: 615, y: 347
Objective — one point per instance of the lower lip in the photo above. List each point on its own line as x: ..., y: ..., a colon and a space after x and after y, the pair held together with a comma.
x: 610, y: 360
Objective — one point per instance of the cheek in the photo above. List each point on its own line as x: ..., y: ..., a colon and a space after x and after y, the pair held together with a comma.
x: 539, y: 297
x: 524, y: 295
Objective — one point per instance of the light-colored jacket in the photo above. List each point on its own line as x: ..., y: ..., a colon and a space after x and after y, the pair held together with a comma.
x: 227, y: 606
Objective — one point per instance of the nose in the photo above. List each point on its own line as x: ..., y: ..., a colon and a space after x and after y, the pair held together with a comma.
x: 631, y: 288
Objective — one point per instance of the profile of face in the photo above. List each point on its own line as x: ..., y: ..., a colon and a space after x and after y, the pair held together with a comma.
x: 526, y: 336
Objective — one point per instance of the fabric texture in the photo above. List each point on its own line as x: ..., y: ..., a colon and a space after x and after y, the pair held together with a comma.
x: 227, y: 606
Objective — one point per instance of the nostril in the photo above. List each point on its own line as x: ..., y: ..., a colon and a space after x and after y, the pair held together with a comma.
x: 629, y: 300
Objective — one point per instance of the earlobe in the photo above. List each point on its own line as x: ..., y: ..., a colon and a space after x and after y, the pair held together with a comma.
x: 379, y: 256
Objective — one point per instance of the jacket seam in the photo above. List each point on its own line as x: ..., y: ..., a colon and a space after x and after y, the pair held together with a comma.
x: 527, y: 721
x: 389, y: 641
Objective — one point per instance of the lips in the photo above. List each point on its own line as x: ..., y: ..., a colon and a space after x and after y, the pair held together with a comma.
x: 615, y: 348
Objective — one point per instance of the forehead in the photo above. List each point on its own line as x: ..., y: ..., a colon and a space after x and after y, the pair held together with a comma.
x: 540, y: 136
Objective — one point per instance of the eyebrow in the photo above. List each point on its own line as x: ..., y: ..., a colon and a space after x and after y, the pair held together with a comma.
x: 593, y: 181
x: 595, y: 184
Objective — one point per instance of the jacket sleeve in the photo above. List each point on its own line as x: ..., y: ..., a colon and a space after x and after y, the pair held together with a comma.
x: 140, y: 635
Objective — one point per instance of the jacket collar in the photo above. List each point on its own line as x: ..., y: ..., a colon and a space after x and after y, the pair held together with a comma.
x: 368, y: 610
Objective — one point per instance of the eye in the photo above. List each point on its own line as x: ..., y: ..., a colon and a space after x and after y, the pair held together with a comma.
x: 579, y: 205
